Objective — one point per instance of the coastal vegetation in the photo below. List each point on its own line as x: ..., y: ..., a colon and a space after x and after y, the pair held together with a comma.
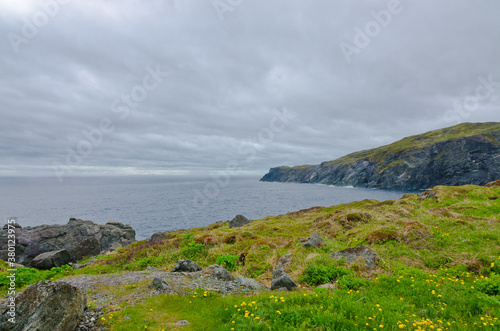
x: 439, y: 269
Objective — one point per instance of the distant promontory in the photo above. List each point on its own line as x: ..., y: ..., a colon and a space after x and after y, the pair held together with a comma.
x: 467, y: 153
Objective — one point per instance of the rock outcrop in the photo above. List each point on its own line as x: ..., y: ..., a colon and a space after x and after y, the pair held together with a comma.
x: 186, y: 266
x: 284, y: 262
x: 314, y: 240
x: 89, y: 247
x: 158, y: 236
x: 161, y: 285
x: 219, y: 272
x: 239, y: 221
x: 47, y: 305
x: 464, y: 154
x: 250, y: 283
x: 282, y: 280
x: 80, y: 238
x: 52, y: 259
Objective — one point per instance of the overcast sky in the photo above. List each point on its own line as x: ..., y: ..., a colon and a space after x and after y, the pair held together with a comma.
x: 189, y: 86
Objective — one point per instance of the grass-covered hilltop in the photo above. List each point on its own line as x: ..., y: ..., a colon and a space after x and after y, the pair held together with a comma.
x: 463, y: 154
x: 438, y: 269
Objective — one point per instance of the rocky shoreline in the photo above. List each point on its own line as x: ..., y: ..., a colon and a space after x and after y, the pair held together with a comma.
x: 48, y: 246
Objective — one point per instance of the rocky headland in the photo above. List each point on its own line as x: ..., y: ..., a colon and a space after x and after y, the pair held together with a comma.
x: 463, y: 154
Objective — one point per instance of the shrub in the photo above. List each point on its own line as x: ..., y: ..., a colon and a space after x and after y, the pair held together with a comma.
x: 192, y: 249
x: 188, y: 237
x: 26, y: 276
x: 490, y: 286
x: 321, y: 274
x: 227, y: 261
x: 351, y: 282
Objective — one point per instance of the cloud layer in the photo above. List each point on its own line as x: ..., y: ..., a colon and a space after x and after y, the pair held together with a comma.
x: 231, y: 73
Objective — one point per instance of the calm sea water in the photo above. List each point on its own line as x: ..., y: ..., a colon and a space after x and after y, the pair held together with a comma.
x: 151, y: 204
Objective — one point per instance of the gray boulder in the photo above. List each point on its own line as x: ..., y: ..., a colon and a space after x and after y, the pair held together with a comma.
x: 33, y: 241
x: 352, y: 254
x: 219, y: 272
x: 186, y: 266
x: 239, y: 221
x: 281, y: 279
x: 158, y: 236
x: 52, y: 259
x: 314, y: 240
x: 86, y: 248
x: 250, y: 283
x: 55, y: 306
x: 161, y: 286
x: 284, y: 262
x: 116, y: 235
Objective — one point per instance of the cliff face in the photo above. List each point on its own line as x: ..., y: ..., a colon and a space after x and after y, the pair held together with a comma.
x: 463, y: 154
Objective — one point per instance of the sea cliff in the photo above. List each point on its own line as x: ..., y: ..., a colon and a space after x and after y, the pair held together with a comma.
x: 464, y: 154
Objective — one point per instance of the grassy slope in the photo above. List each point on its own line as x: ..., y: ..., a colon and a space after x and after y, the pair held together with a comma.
x: 452, y: 228
x: 440, y: 257
x: 379, y: 154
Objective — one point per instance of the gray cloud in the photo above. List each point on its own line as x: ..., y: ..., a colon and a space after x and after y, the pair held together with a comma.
x: 228, y: 77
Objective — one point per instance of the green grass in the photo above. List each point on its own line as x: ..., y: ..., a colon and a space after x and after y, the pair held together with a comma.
x: 459, y: 226
x: 450, y: 299
x: 26, y: 276
x: 449, y: 244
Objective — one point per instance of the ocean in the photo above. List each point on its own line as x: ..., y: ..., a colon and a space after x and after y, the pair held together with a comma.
x: 158, y: 203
